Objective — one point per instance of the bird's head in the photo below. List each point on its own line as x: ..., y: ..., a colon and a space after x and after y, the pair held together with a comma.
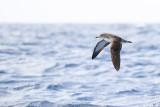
x: 103, y: 35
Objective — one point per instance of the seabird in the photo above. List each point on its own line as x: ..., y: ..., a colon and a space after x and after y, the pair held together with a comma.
x: 115, y: 47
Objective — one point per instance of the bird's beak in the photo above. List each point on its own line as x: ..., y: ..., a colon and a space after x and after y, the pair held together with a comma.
x: 97, y: 36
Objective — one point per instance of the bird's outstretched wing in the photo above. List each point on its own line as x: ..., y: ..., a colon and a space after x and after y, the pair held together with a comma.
x: 115, y: 54
x: 99, y: 47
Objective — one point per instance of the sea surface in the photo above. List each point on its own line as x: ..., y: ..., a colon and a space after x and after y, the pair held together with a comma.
x: 50, y: 65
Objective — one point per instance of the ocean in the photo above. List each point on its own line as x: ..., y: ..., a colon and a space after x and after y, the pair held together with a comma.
x: 50, y: 65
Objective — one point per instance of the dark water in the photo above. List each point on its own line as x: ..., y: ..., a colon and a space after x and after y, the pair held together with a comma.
x: 50, y: 65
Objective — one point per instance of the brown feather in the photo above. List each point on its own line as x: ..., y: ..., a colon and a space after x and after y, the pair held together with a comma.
x: 115, y: 53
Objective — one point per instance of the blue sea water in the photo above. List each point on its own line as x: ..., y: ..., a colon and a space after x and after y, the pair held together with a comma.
x: 50, y: 66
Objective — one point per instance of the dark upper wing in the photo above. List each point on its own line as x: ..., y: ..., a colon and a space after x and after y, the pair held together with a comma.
x: 100, y: 45
x: 115, y: 54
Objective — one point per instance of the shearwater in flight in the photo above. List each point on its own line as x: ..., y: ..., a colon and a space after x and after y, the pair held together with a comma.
x: 115, y: 47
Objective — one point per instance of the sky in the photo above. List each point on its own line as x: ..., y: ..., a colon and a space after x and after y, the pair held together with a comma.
x: 79, y: 11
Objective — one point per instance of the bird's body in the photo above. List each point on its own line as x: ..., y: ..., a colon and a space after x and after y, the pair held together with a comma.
x: 115, y: 48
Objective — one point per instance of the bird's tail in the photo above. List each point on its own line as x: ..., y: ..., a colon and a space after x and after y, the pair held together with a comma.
x: 123, y: 40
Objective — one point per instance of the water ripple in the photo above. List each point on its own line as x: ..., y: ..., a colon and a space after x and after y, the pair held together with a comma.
x: 50, y: 65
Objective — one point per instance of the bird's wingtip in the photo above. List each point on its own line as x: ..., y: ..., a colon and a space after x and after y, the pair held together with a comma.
x: 93, y: 56
x: 117, y: 68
